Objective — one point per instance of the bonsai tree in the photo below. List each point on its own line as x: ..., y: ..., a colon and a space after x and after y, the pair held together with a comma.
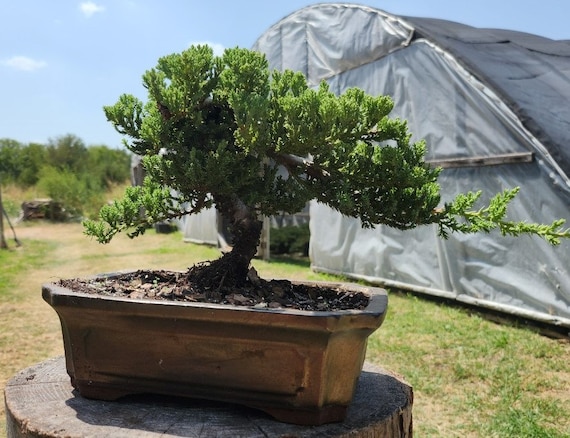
x: 216, y: 131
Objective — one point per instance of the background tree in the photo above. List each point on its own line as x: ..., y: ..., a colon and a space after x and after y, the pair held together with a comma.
x: 10, y: 159
x: 216, y: 130
x: 67, y: 152
x: 65, y: 170
x: 108, y: 166
x: 78, y: 176
x: 21, y: 163
x: 33, y: 157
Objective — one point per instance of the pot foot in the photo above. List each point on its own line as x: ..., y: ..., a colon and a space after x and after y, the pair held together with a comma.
x: 313, y: 417
x: 95, y: 392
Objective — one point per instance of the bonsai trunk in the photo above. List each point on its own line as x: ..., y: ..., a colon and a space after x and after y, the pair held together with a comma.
x: 231, y: 270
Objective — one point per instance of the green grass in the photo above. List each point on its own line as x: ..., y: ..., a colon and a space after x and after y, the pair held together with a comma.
x: 471, y: 377
x: 487, y: 380
x: 15, y: 261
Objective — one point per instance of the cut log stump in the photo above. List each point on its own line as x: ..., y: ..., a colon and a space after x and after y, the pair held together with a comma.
x: 40, y: 402
x: 43, y: 209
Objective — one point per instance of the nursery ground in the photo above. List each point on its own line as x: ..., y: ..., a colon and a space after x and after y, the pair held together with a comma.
x: 471, y: 377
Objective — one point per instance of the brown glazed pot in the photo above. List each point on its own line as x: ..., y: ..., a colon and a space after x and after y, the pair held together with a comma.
x: 298, y: 366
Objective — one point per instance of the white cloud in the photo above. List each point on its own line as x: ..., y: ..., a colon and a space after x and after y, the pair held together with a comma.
x: 24, y: 63
x: 217, y: 48
x: 90, y: 8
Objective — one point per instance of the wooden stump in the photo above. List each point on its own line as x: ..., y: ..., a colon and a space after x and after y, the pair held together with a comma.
x: 40, y: 402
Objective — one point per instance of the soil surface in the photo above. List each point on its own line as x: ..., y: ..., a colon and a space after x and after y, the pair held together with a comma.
x: 257, y: 293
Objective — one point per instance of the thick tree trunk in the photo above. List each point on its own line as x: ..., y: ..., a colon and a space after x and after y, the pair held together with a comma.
x: 231, y: 270
x: 246, y: 241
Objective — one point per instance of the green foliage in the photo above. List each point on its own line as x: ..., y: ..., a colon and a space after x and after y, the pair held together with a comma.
x: 65, y: 170
x: 218, y: 130
x: 18, y: 264
x: 74, y: 191
x: 33, y: 157
x: 9, y: 159
x: 108, y: 166
x: 459, y: 216
x: 492, y: 380
x: 290, y: 240
x: 19, y: 163
x: 67, y: 153
x: 10, y: 207
x: 126, y: 215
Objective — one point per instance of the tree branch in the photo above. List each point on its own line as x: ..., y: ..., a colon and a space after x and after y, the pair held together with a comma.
x: 296, y: 165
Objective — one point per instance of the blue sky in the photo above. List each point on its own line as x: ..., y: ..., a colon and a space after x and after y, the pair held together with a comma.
x: 61, y: 61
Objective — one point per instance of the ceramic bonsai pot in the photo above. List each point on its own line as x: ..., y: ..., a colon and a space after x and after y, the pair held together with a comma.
x: 298, y: 366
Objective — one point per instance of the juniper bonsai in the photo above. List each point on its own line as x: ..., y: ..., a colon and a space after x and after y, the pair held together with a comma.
x: 225, y: 131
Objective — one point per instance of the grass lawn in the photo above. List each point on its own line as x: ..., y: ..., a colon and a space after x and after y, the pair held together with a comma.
x: 471, y: 377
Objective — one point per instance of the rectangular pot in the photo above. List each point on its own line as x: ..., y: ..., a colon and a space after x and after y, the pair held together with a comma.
x: 298, y: 366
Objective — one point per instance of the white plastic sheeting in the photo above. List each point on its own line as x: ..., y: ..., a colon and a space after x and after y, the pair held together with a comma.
x: 462, y: 114
x: 201, y: 228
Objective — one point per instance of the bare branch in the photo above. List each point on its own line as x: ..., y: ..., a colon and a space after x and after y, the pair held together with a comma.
x: 297, y: 165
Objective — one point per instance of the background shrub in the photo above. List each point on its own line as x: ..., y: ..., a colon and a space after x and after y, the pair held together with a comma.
x: 75, y: 191
x: 290, y: 240
x: 65, y: 170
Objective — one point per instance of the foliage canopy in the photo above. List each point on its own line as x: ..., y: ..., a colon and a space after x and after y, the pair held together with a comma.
x: 227, y: 131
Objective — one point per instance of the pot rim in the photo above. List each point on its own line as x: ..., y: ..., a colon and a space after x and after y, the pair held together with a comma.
x: 377, y: 305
